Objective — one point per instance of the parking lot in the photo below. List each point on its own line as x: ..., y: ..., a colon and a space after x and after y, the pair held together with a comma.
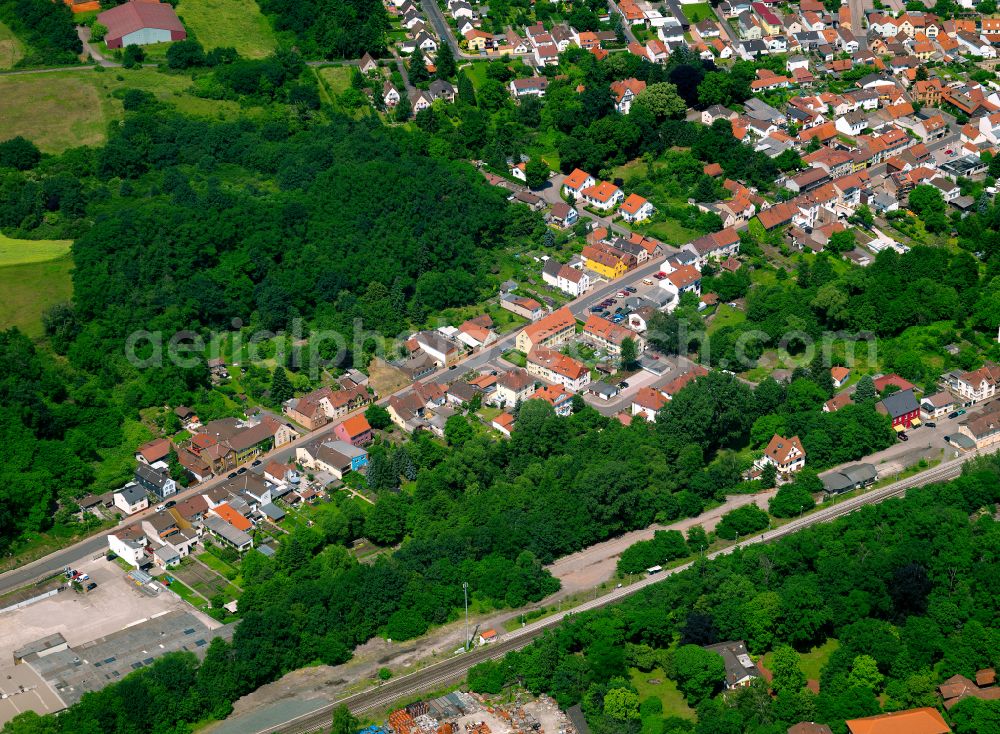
x: 80, y: 617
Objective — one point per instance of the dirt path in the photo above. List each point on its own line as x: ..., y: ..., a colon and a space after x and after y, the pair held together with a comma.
x: 580, y: 572
x: 593, y: 566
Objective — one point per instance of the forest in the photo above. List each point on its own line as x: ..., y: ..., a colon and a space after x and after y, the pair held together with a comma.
x: 341, y: 29
x: 475, y: 512
x: 48, y: 32
x: 907, y: 583
x: 940, y: 296
x: 905, y: 589
x: 184, y: 224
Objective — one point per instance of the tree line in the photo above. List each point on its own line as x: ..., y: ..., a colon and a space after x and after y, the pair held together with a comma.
x: 905, y: 588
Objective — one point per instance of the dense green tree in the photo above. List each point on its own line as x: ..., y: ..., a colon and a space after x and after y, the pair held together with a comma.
x: 19, y: 153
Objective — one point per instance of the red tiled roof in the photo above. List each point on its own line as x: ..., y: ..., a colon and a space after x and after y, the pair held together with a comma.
x: 134, y: 16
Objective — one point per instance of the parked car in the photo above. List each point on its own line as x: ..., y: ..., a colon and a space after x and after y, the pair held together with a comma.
x: 232, y: 475
x: 91, y: 586
x: 596, y: 309
x: 630, y: 289
x: 161, y: 508
x: 903, y: 437
x: 84, y: 577
x: 623, y: 384
x: 241, y: 470
x: 257, y: 462
x: 170, y: 503
x: 960, y: 411
x: 931, y: 424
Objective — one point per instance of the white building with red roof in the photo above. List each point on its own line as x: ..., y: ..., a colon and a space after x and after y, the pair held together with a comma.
x: 140, y: 24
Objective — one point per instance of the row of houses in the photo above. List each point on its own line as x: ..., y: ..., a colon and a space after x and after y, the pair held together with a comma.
x: 227, y: 513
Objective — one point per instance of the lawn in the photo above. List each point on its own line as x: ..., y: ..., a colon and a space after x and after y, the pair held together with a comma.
x: 217, y: 564
x: 515, y: 357
x: 337, y: 78
x: 726, y: 315
x: 666, y: 690
x: 29, y: 289
x: 476, y: 71
x: 11, y: 50
x: 670, y: 231
x: 229, y: 23
x: 811, y: 663
x: 21, y: 252
x: 66, y: 109
x: 697, y: 12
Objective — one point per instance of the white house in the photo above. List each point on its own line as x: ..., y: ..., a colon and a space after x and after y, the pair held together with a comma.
x: 131, y: 499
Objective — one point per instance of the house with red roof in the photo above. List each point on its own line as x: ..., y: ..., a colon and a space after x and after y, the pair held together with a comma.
x: 575, y: 183
x: 140, y: 24
x: 636, y: 209
x: 355, y: 430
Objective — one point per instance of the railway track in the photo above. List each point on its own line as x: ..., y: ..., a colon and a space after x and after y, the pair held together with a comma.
x: 454, y: 669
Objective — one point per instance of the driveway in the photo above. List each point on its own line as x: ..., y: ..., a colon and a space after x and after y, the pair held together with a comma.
x: 90, y: 49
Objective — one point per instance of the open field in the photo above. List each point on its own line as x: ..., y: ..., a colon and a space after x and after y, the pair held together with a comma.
x: 666, y: 690
x: 65, y: 109
x: 11, y: 50
x: 337, y: 78
x: 20, y: 252
x: 229, y: 23
x: 27, y: 290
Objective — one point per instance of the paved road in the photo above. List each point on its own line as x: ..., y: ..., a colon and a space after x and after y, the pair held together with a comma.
x: 55, y: 562
x: 454, y: 669
x: 726, y: 28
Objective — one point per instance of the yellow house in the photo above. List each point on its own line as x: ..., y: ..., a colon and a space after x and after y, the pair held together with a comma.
x: 477, y: 39
x: 604, y: 262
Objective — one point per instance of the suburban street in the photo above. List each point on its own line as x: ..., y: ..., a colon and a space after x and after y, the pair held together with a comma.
x: 454, y: 669
x: 97, y: 544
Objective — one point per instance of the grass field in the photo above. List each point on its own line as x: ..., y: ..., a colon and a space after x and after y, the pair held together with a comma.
x: 811, y: 663
x: 229, y: 23
x: 670, y: 231
x: 337, y: 78
x: 666, y: 690
x: 11, y: 50
x: 726, y: 315
x: 20, y: 252
x: 697, y: 12
x: 27, y: 290
x: 65, y: 109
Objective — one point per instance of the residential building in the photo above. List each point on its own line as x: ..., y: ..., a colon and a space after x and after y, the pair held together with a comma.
x: 534, y: 86
x: 902, y: 408
x: 129, y: 544
x: 523, y: 306
x: 504, y: 423
x: 983, y: 428
x: 551, y: 331
x: 937, y: 405
x: 441, y: 349
x: 321, y: 406
x: 513, y: 387
x: 975, y: 386
x: 740, y: 669
x: 603, y: 196
x: 785, y: 454
x: 228, y: 533
x: 840, y: 375
x: 558, y: 368
x: 131, y: 499
x: 625, y: 92
x: 605, y: 260
x: 573, y: 281
x: 154, y: 451
x: 636, y: 209
x: 609, y: 336
x: 576, y: 182
x: 925, y: 720
x: 557, y: 396
x: 355, y: 430
x: 155, y: 481
x: 647, y: 402
x: 336, y: 457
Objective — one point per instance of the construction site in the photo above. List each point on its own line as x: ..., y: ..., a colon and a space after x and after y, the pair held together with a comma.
x: 468, y: 713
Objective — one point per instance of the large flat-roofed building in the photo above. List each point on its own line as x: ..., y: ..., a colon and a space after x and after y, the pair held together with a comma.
x: 73, y: 671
